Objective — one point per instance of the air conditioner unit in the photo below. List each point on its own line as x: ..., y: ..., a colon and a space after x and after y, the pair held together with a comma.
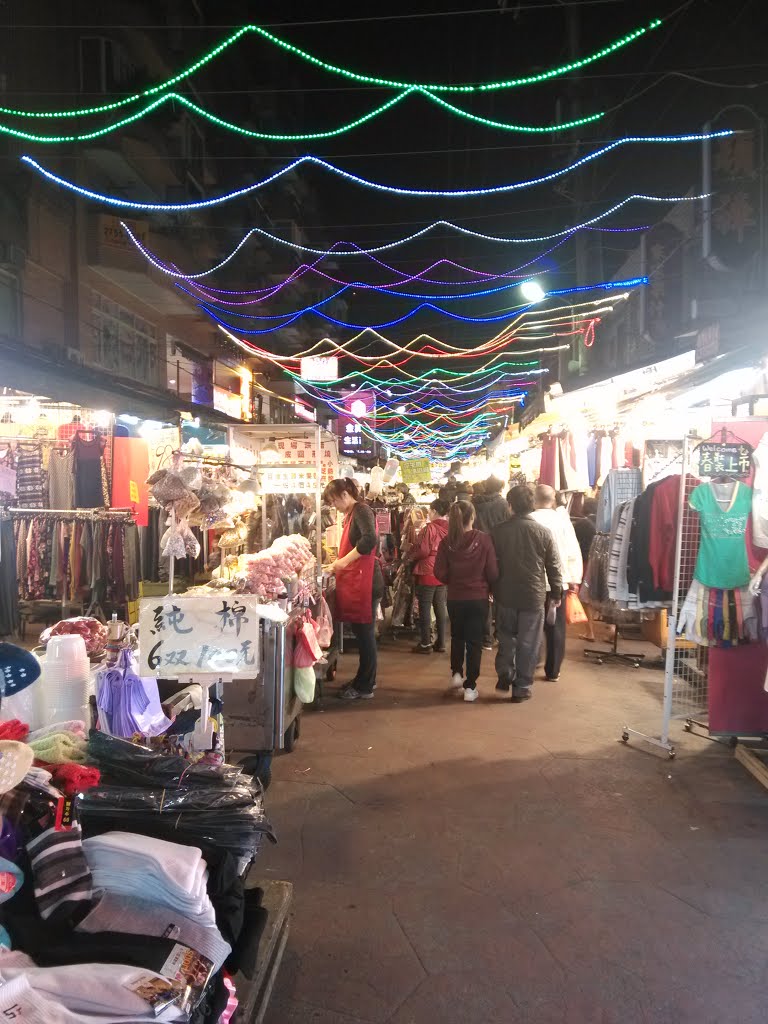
x: 74, y: 355
x: 12, y: 255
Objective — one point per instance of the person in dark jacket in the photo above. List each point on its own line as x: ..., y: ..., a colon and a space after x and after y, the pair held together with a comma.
x: 429, y: 590
x: 490, y: 510
x: 466, y: 563
x: 359, y: 581
x: 526, y: 553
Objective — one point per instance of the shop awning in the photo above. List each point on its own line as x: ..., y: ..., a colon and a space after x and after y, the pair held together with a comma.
x: 27, y: 369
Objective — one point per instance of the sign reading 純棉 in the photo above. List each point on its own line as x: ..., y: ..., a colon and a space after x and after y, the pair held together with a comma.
x: 197, y: 635
x: 725, y: 459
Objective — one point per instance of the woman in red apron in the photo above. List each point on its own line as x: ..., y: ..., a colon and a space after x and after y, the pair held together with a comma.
x: 359, y: 581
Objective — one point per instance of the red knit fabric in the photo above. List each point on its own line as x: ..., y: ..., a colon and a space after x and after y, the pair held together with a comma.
x: 13, y: 730
x: 71, y: 779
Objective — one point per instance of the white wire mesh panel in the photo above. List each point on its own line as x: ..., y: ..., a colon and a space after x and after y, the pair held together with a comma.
x: 687, y: 662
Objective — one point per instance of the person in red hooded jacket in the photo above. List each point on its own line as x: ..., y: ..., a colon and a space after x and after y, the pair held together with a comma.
x: 429, y: 590
x: 466, y: 563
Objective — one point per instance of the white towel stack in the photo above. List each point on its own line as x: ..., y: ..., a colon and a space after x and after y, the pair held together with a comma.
x: 170, y: 874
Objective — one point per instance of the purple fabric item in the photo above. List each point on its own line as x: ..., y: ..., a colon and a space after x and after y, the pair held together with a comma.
x: 122, y: 696
x: 10, y: 841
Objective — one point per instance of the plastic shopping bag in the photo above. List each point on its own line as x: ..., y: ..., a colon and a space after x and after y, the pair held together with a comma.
x: 574, y: 610
x: 324, y: 624
x: 304, y: 684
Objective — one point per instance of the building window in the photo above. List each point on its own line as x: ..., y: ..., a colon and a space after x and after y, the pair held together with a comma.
x: 104, y: 65
x: 9, y: 306
x: 124, y: 344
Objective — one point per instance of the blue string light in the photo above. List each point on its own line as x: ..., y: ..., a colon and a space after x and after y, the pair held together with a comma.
x: 375, y: 185
x: 287, y: 319
x: 604, y: 285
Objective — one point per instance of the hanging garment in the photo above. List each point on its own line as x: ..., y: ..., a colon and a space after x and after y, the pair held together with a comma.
x: 9, y: 587
x: 30, y: 480
x: 760, y: 494
x: 548, y: 470
x: 722, y: 558
x: 665, y: 508
x: 61, y: 480
x: 88, y: 461
x: 619, y: 486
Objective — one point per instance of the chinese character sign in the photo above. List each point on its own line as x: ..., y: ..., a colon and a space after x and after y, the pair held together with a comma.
x: 199, y: 635
x: 725, y: 460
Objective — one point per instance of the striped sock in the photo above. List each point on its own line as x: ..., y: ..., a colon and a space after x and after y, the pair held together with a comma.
x: 61, y: 874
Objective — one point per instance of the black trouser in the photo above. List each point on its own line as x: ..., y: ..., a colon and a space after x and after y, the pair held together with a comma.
x: 430, y: 597
x: 467, y: 625
x: 488, y: 628
x: 554, y: 638
x: 365, y: 634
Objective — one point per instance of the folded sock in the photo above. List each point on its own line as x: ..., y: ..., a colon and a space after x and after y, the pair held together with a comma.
x: 62, y: 879
x: 59, y: 748
x: 13, y: 729
x: 74, y: 726
x: 114, y: 913
x: 70, y: 778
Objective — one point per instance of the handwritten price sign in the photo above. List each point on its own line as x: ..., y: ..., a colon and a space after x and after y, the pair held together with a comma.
x: 212, y: 635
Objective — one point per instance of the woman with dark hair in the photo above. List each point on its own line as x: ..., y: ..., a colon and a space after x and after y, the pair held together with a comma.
x: 466, y: 563
x: 429, y: 590
x: 359, y: 581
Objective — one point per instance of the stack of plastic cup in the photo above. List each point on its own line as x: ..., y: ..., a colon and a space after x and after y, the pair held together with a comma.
x: 64, y: 688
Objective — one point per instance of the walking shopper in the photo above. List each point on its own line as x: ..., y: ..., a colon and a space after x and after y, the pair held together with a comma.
x: 466, y: 563
x: 359, y: 581
x: 527, y: 562
x: 558, y: 522
x: 490, y: 510
x: 585, y: 530
x: 429, y: 590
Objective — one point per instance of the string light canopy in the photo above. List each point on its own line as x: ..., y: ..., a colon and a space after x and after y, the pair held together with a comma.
x: 304, y: 268
x: 435, y: 348
x: 529, y: 294
x: 510, y: 83
x: 376, y: 186
x: 251, y: 133
x: 356, y: 250
x: 286, y: 321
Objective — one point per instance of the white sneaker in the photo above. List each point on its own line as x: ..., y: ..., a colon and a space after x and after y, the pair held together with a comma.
x: 457, y: 681
x: 470, y: 695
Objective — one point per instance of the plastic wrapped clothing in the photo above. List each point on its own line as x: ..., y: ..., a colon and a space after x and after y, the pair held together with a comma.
x: 226, y: 817
x: 123, y: 762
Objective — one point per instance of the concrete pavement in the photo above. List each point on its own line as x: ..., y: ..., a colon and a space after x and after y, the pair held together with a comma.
x: 489, y: 862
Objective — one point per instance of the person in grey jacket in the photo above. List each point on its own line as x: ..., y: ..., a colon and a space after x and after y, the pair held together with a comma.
x: 490, y: 510
x: 526, y: 554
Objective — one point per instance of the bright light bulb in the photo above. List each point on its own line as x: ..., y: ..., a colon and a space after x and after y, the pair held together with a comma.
x: 400, y: 410
x: 532, y: 291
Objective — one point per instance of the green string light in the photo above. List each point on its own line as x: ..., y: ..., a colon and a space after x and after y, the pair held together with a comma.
x: 509, y: 83
x: 273, y: 137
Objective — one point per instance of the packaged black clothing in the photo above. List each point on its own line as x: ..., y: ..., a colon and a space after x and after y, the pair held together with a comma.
x: 121, y: 761
x: 232, y: 820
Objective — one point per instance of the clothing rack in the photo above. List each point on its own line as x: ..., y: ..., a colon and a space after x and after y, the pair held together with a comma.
x: 112, y: 514
x: 31, y: 439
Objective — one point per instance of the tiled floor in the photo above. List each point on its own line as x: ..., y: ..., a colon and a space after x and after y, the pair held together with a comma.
x: 481, y: 863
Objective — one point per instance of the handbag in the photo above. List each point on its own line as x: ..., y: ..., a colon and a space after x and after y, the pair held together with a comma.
x: 574, y: 610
